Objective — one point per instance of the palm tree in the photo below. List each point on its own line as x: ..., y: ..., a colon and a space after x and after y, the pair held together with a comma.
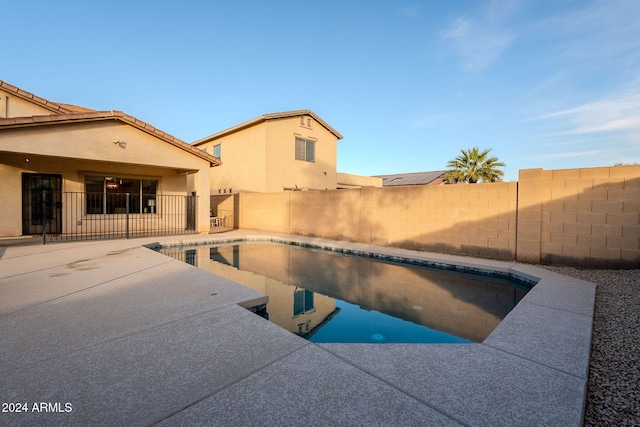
x: 472, y: 166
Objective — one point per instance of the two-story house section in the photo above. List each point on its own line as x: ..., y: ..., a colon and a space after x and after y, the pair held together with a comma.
x: 293, y: 150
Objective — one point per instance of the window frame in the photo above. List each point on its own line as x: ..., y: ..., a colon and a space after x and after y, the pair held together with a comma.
x: 305, y: 149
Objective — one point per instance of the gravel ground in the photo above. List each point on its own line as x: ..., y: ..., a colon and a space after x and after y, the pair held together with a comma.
x: 613, y: 390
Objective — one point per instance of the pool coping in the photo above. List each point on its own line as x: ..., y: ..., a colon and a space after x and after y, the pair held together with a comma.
x: 531, y: 370
x: 550, y: 327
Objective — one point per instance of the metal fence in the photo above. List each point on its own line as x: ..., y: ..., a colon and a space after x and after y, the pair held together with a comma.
x: 92, y: 216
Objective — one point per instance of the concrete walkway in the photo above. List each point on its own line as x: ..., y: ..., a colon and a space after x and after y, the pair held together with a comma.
x: 113, y: 333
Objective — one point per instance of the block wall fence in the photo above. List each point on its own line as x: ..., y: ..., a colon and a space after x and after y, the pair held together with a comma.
x: 586, y: 217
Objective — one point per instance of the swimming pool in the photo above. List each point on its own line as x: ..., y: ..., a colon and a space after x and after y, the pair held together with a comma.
x: 537, y: 358
x: 327, y: 296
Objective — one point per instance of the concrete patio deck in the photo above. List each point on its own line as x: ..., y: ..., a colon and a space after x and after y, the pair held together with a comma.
x: 113, y: 333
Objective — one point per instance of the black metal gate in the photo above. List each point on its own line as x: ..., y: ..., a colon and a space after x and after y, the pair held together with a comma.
x: 41, y: 204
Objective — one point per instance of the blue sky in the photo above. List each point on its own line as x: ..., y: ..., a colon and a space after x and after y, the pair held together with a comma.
x: 543, y: 83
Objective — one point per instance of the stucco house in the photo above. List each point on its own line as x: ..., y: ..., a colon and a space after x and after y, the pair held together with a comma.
x: 292, y: 150
x: 80, y: 172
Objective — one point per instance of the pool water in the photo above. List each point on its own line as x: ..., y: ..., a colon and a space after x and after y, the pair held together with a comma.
x: 352, y: 324
x: 329, y: 297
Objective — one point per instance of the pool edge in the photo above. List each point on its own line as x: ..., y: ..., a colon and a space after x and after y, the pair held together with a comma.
x: 551, y: 327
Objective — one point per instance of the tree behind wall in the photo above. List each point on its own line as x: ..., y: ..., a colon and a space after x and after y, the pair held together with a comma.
x: 473, y: 165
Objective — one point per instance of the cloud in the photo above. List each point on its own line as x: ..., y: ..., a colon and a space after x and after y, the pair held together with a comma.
x: 544, y: 85
x: 611, y: 114
x: 478, y: 46
x: 480, y: 39
x: 458, y: 29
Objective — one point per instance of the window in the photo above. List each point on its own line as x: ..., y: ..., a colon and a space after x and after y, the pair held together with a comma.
x: 302, y: 301
x: 108, y: 195
x: 305, y: 150
x: 216, y: 151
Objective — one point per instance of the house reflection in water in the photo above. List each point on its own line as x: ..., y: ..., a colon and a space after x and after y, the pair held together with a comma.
x: 290, y: 306
x: 268, y: 269
x: 302, y: 286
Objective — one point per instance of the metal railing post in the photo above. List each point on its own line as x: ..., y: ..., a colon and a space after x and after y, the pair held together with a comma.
x: 127, y: 216
x: 44, y: 217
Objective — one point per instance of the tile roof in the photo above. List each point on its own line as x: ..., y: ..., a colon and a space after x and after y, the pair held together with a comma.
x: 76, y: 108
x: 28, y: 96
x: 67, y: 113
x: 414, y: 178
x: 264, y: 118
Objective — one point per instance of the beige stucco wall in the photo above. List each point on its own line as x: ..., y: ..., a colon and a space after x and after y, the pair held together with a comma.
x: 11, y: 211
x: 264, y: 211
x: 476, y: 220
x: 243, y: 161
x: 12, y: 106
x: 284, y: 171
x: 582, y: 217
x: 75, y: 150
x: 94, y: 140
x: 261, y: 158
